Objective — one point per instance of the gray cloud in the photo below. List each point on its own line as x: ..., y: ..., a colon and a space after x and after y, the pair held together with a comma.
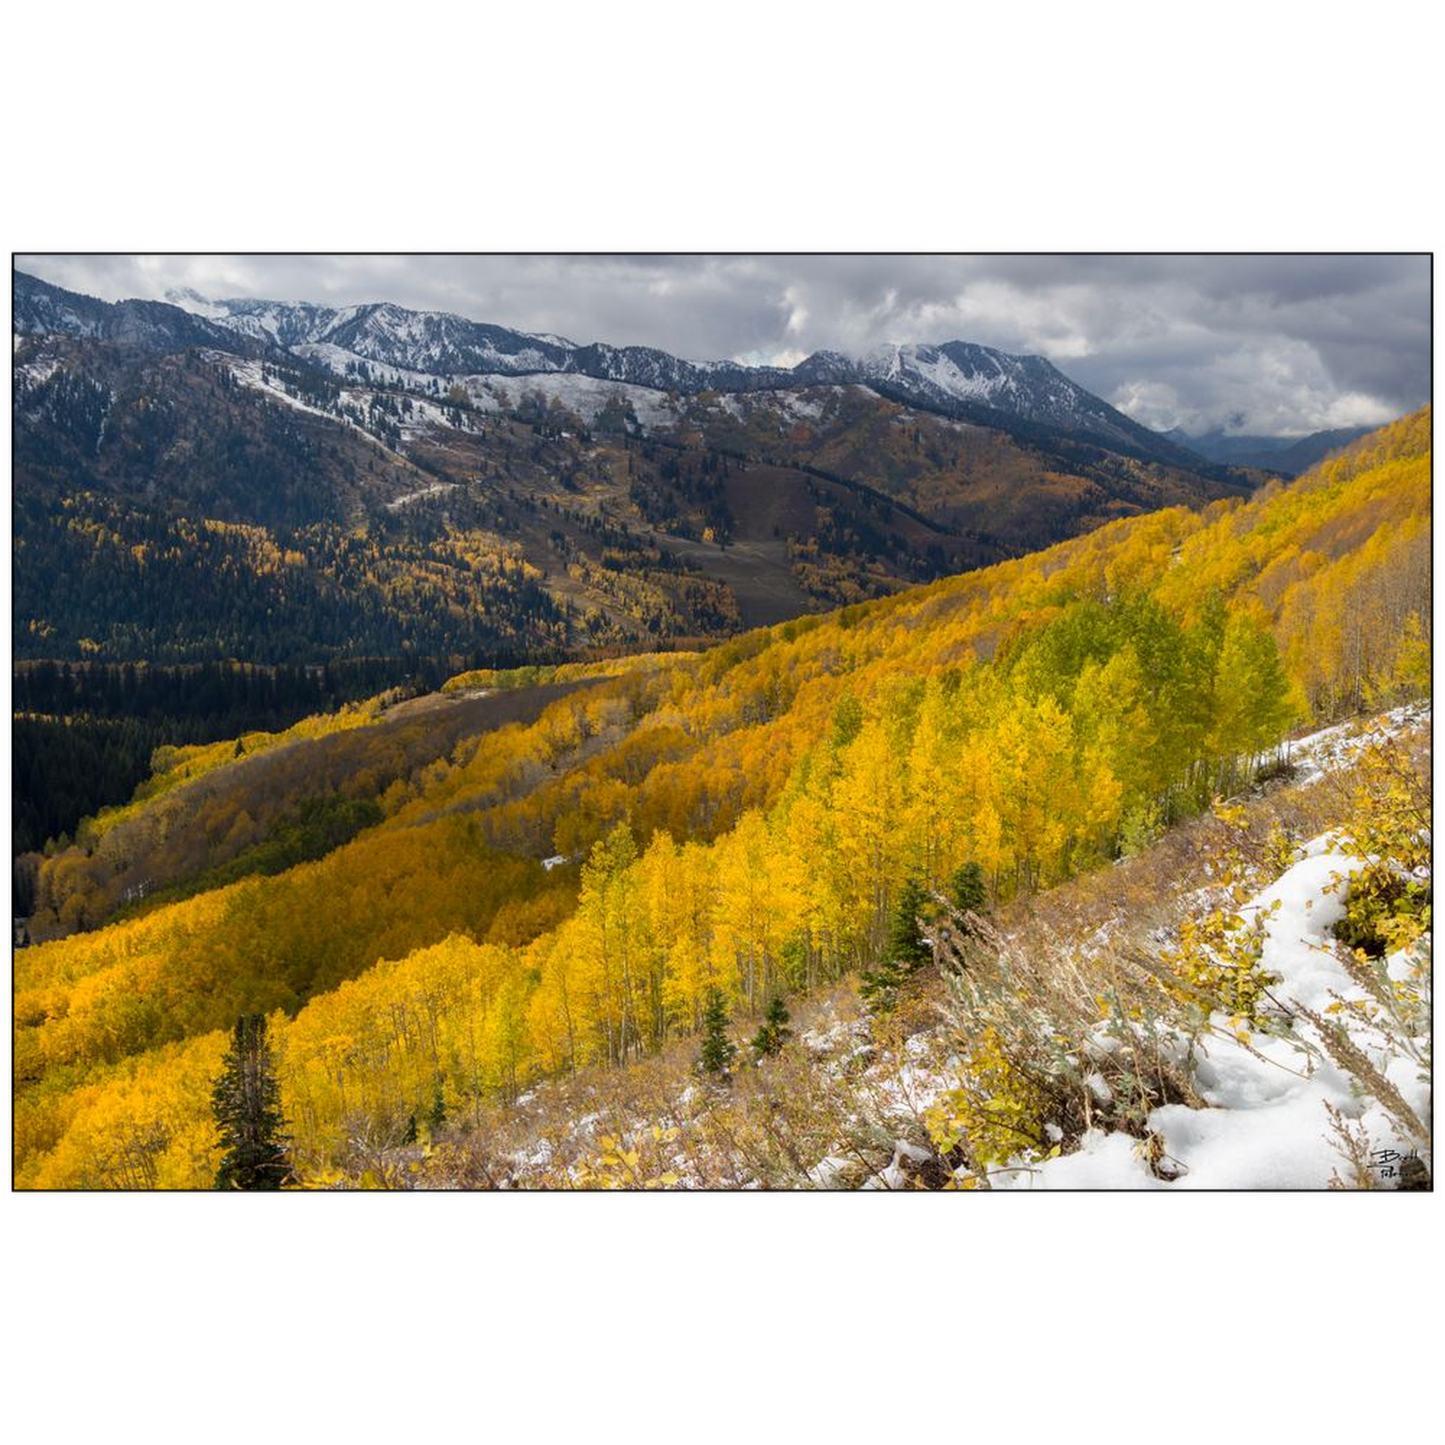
x: 1270, y: 344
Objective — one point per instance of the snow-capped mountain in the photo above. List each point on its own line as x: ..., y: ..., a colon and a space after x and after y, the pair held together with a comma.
x: 440, y: 343
x: 43, y: 310
x: 961, y: 379
x: 958, y: 375
x: 963, y: 373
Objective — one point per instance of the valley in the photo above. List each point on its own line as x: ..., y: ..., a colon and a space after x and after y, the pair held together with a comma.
x: 257, y: 485
x: 551, y: 871
x: 362, y: 486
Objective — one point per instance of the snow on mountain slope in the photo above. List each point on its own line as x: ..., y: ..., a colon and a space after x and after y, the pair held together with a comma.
x: 1321, y: 753
x: 960, y: 379
x: 962, y: 371
x: 44, y: 310
x: 433, y: 343
x: 349, y: 363
x: 437, y: 489
x: 350, y: 411
x: 32, y: 373
x: 587, y: 396
x: 425, y: 342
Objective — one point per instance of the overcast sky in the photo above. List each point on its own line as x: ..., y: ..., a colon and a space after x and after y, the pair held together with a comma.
x: 1276, y: 345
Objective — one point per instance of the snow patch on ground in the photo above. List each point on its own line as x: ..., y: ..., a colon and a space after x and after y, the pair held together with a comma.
x: 35, y: 373
x: 585, y: 396
x: 252, y: 374
x: 435, y: 490
x: 1334, y: 748
x: 340, y: 361
x: 826, y: 1172
x: 425, y: 416
x: 787, y: 406
x: 1266, y: 1125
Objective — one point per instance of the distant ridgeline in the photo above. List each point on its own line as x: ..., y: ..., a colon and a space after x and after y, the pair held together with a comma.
x: 739, y: 819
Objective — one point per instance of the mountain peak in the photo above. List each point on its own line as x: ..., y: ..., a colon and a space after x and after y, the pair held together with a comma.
x: 964, y: 380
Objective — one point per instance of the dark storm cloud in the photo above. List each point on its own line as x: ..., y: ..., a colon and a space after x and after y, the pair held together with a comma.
x: 1254, y: 343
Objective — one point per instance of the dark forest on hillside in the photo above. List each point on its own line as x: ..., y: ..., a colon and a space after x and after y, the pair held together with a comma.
x: 83, y: 733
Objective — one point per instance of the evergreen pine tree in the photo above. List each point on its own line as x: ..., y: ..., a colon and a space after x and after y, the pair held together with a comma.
x: 246, y: 1101
x: 968, y: 890
x: 438, y: 1115
x: 718, y: 1050
x: 908, y: 950
x: 878, y: 987
x: 907, y: 946
x: 774, y: 1032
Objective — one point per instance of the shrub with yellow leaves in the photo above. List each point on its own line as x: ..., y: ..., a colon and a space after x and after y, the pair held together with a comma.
x: 1389, y: 903
x: 620, y: 1165
x: 1217, y: 964
x: 998, y: 1110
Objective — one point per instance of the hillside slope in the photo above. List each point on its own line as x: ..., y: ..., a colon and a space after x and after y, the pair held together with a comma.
x: 747, y: 816
x: 856, y: 1098
x: 1290, y: 456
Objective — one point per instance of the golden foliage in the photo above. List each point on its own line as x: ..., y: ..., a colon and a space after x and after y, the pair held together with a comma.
x: 743, y: 818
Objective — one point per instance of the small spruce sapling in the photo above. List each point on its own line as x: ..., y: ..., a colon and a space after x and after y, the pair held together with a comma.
x: 908, y: 950
x: 438, y: 1113
x: 718, y: 1051
x: 968, y: 906
x: 906, y: 944
x: 967, y: 890
x: 774, y: 1032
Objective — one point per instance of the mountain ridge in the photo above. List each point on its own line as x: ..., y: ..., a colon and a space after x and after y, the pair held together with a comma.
x: 42, y: 309
x: 959, y: 378
x: 1291, y: 456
